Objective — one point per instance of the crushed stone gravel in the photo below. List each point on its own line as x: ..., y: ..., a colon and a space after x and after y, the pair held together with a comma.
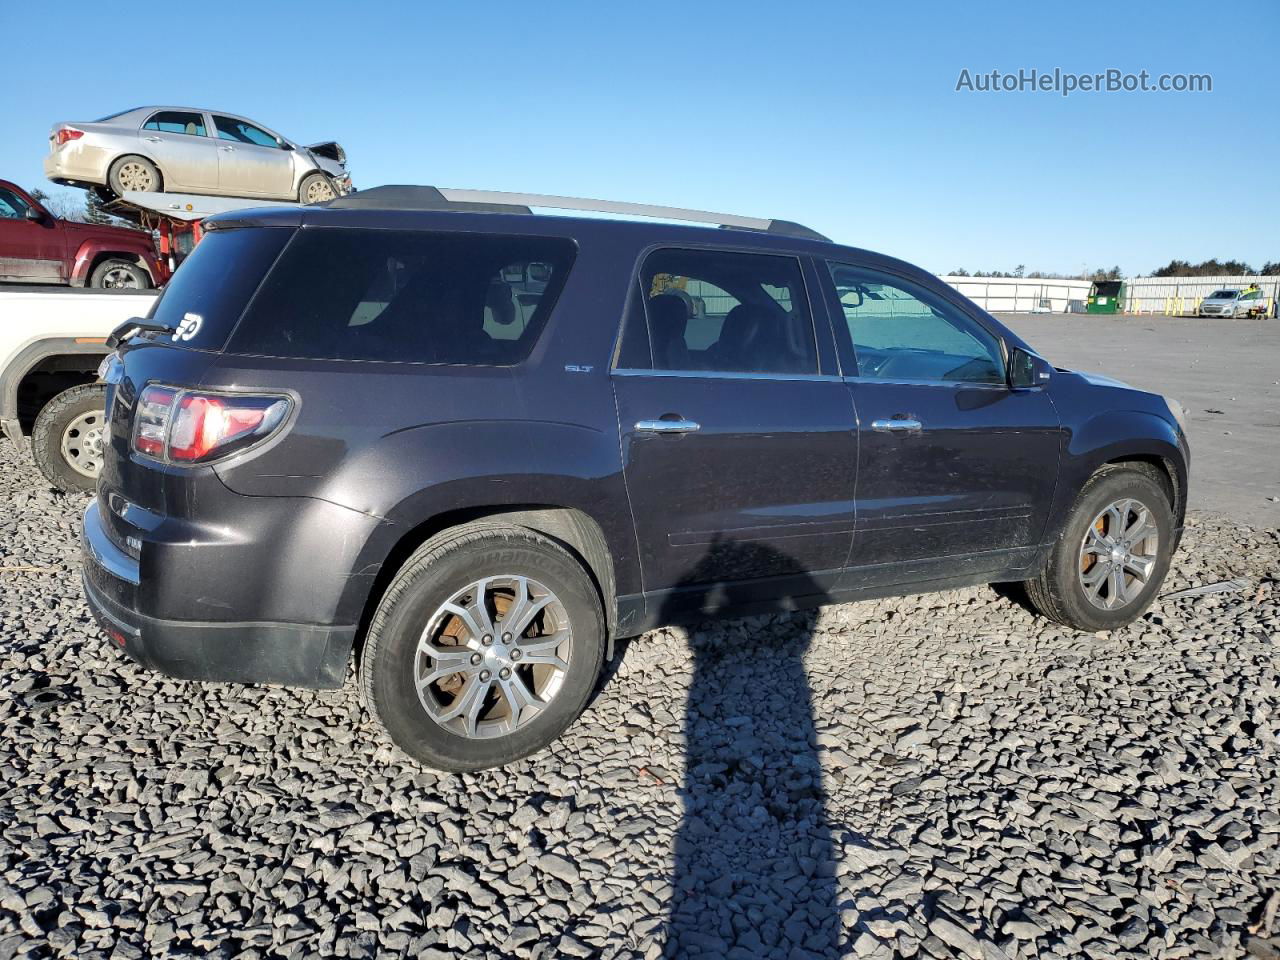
x: 935, y: 776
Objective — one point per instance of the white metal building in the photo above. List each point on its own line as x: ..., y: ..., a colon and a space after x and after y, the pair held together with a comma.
x: 1020, y: 295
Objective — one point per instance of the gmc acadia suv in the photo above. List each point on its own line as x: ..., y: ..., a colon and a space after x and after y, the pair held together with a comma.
x: 470, y: 446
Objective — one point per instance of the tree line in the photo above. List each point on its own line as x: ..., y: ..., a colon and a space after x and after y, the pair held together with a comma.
x: 1216, y: 268
x: 1020, y: 272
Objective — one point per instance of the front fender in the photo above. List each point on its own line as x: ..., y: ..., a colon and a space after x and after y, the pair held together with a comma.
x: 1120, y: 435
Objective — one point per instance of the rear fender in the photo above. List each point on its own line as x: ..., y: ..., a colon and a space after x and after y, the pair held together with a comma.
x: 459, y: 469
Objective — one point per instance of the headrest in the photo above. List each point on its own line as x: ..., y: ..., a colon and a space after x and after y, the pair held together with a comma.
x: 668, y: 315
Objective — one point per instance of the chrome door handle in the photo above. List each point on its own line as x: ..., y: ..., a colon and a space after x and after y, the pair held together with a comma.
x: 667, y: 426
x: 897, y: 426
x: 153, y: 139
x: 228, y: 149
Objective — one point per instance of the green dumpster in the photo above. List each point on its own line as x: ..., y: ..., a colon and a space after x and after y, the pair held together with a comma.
x: 1105, y: 296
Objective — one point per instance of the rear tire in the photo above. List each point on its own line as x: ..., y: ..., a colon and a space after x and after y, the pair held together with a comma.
x: 134, y: 173
x: 117, y: 274
x: 1092, y: 581
x: 464, y: 718
x: 68, y: 438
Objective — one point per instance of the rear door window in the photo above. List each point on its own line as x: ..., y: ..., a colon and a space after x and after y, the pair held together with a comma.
x: 390, y: 295
x: 174, y: 121
x: 728, y: 312
x: 208, y: 293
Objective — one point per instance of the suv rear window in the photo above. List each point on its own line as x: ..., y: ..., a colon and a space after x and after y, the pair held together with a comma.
x: 407, y: 296
x: 216, y: 281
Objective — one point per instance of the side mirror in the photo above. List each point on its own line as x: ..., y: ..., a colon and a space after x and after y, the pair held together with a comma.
x: 1028, y: 370
x: 35, y: 214
x: 284, y: 144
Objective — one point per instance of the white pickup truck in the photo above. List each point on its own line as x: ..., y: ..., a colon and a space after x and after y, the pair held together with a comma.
x: 51, y: 342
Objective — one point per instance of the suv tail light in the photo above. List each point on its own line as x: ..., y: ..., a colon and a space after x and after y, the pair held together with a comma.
x: 67, y: 134
x: 187, y: 426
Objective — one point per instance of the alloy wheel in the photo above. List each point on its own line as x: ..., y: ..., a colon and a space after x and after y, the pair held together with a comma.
x: 1118, y: 554
x: 118, y: 278
x: 493, y: 656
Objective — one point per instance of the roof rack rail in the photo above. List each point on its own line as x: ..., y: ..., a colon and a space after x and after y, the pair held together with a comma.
x: 406, y: 197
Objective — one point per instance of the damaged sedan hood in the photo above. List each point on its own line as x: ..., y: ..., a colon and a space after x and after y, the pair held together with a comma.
x: 330, y: 150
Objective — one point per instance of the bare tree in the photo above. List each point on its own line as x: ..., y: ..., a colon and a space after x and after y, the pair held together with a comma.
x: 61, y: 204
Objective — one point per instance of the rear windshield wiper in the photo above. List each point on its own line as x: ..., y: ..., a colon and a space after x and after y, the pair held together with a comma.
x: 134, y: 326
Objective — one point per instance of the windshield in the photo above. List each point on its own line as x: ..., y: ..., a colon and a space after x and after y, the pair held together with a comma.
x: 1224, y: 294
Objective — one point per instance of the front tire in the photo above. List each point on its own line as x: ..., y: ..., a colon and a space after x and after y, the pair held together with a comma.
x: 1106, y: 568
x: 484, y: 648
x: 117, y: 274
x: 68, y: 437
x: 316, y: 188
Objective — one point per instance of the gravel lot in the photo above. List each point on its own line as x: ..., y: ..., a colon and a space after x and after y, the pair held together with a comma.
x: 942, y: 776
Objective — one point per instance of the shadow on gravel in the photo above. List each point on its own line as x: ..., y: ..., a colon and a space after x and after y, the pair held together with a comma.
x: 754, y: 862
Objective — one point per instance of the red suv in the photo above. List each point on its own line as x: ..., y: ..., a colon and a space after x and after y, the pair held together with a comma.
x: 37, y: 247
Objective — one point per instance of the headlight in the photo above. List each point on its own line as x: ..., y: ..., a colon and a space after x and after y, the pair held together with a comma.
x: 1179, y: 414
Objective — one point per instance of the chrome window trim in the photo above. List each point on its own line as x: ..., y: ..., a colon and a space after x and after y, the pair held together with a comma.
x: 725, y: 375
x: 907, y: 382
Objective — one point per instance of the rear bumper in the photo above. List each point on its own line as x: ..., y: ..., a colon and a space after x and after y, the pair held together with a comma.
x: 77, y: 164
x: 293, y: 654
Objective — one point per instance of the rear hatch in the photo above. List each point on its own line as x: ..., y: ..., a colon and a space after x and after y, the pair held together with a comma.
x: 393, y: 347
x: 201, y: 305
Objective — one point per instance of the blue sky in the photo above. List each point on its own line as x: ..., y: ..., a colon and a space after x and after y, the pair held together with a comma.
x: 843, y: 116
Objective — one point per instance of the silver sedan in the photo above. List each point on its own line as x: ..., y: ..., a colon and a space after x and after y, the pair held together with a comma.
x: 191, y: 150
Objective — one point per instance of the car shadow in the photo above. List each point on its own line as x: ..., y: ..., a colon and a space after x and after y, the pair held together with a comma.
x: 754, y: 858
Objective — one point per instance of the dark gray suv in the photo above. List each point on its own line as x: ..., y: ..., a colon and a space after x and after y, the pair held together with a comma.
x: 471, y: 446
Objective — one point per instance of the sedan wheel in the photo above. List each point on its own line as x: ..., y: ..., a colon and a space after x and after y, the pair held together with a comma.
x: 316, y: 188
x: 135, y: 176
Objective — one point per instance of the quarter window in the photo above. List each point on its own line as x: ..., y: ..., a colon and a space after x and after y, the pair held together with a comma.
x: 242, y: 131
x: 176, y: 121
x: 901, y: 331
x: 727, y: 312
x: 459, y: 298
